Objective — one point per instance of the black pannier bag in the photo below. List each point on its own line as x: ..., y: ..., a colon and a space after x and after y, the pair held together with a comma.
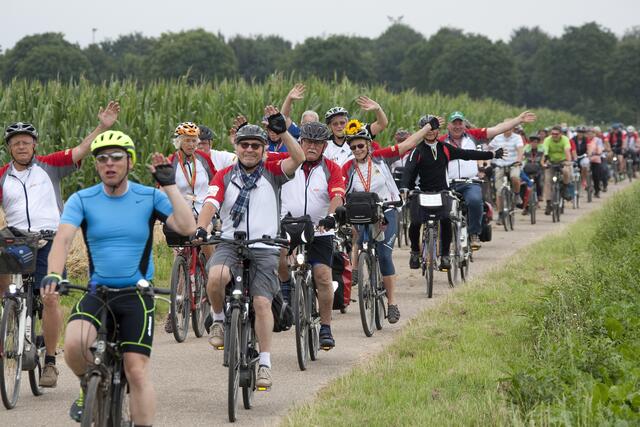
x: 363, y: 208
x: 298, y: 230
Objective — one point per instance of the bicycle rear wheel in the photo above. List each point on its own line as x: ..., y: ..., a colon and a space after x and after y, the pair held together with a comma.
x: 399, y: 221
x: 10, y: 358
x: 96, y: 406
x: 300, y: 317
x: 533, y: 203
x: 202, y: 309
x: 180, y: 298
x: 378, y: 287
x: 37, y: 338
x: 252, y: 365
x: 366, y: 295
x: 405, y: 224
x: 454, y: 256
x: 120, y: 409
x: 506, y: 208
x: 234, y: 363
x: 314, y: 325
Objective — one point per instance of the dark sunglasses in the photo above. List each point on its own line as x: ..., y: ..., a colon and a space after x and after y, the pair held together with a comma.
x: 360, y: 146
x: 254, y: 145
x: 116, y: 157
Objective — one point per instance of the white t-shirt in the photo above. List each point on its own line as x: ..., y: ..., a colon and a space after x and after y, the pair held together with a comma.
x: 510, y: 146
x: 222, y: 159
x: 460, y: 169
x: 378, y: 180
x: 338, y: 154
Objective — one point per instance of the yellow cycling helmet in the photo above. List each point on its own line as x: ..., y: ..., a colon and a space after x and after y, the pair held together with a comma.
x: 187, y: 128
x: 114, y: 139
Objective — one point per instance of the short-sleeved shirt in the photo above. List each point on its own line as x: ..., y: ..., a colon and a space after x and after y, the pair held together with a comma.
x: 118, y: 231
x: 555, y: 150
x: 32, y: 198
x: 382, y: 181
x: 262, y: 216
x: 510, y: 146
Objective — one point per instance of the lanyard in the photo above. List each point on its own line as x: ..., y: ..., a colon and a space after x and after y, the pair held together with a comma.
x: 191, y: 177
x: 366, y: 184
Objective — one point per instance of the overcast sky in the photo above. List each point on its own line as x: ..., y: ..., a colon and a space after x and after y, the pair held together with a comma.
x: 297, y: 20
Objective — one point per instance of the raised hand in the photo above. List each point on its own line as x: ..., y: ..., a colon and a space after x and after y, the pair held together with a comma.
x: 276, y: 121
x: 162, y: 170
x: 527, y: 117
x: 367, y: 104
x: 109, y: 115
x: 297, y: 92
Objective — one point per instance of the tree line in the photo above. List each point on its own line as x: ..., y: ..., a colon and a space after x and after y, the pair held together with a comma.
x: 587, y: 70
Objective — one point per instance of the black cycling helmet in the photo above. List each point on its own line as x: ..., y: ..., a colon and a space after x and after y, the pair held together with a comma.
x: 20, y: 128
x: 335, y: 111
x: 363, y: 133
x: 251, y: 132
x: 206, y: 134
x: 315, y: 131
x: 424, y: 120
x: 534, y: 136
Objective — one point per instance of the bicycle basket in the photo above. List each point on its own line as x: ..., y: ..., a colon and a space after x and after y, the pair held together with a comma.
x: 18, y: 251
x: 174, y: 239
x: 298, y: 230
x: 363, y: 208
x: 436, y: 205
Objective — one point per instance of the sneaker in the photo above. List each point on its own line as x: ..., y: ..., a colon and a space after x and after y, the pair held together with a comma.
x: 414, y: 260
x: 49, y: 377
x: 216, y: 337
x: 263, y: 379
x: 326, y: 339
x: 524, y: 212
x: 76, y: 408
x: 168, y: 325
x: 445, y: 263
x: 475, y: 242
x: 393, y: 313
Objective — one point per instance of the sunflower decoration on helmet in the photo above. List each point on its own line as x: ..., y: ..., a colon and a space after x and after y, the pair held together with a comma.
x: 353, y: 127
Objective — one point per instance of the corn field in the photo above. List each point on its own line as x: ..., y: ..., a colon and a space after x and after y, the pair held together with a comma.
x: 64, y: 113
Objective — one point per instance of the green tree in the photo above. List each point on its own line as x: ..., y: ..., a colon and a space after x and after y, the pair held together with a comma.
x: 335, y: 56
x: 525, y: 44
x: 390, y: 50
x: 260, y: 56
x: 623, y: 79
x: 45, y: 56
x: 196, y: 54
x: 130, y: 54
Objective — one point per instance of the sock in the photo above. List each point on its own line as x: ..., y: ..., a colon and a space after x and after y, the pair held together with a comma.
x: 218, y: 317
x: 265, y: 359
x: 49, y: 359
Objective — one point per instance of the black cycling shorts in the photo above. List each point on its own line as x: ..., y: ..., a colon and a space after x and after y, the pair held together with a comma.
x: 132, y: 312
x: 321, y: 251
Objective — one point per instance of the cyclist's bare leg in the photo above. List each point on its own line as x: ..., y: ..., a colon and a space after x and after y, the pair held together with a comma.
x: 143, y: 395
x: 207, y: 250
x: 322, y: 277
x: 264, y: 322
x: 389, y: 283
x: 51, y: 322
x: 80, y: 334
x: 219, y: 276
x: 5, y: 280
x: 566, y: 174
x: 515, y: 183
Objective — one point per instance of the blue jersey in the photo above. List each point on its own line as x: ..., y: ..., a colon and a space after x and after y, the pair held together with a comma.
x: 118, y: 231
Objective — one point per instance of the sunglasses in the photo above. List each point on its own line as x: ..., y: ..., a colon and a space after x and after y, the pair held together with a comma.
x: 116, y: 157
x: 254, y: 145
x: 359, y: 146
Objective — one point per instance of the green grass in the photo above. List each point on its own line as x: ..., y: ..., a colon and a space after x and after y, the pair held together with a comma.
x: 460, y: 363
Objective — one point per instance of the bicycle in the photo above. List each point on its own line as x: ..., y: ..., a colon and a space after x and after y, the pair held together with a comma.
x: 463, y: 252
x: 577, y: 184
x: 533, y: 198
x: 371, y: 290
x: 508, y: 212
x: 557, y: 201
x: 305, y: 310
x: 188, y: 287
x: 241, y: 353
x: 403, y: 213
x: 629, y: 169
x: 106, y: 401
x: 21, y: 338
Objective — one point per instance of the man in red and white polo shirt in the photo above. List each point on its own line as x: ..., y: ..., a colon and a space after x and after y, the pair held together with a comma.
x: 32, y: 200
x: 247, y: 195
x: 317, y: 189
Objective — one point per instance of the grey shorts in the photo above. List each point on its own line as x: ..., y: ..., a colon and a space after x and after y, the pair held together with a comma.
x: 264, y: 268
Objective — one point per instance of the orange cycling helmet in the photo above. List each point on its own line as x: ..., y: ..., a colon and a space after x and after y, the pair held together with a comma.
x: 187, y: 128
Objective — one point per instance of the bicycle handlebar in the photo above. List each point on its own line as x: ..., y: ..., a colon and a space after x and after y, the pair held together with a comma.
x: 267, y: 240
x: 142, y: 286
x: 467, y: 181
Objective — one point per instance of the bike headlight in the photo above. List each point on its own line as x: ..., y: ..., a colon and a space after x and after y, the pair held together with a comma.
x: 12, y: 289
x: 555, y: 178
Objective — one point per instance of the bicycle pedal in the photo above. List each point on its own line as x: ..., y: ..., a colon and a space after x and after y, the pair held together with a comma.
x: 263, y: 388
x: 220, y: 347
x: 326, y: 347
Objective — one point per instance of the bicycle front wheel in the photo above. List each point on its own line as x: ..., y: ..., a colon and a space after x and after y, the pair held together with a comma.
x: 314, y: 324
x: 10, y: 357
x: 300, y: 317
x: 366, y: 293
x: 234, y: 363
x: 96, y: 407
x: 180, y: 298
x: 202, y: 308
x: 506, y: 207
x: 120, y: 409
x: 429, y: 258
x: 454, y: 256
x: 533, y: 204
x: 378, y: 287
x: 251, y: 358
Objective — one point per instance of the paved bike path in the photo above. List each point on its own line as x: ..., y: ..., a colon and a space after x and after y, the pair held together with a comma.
x: 191, y: 383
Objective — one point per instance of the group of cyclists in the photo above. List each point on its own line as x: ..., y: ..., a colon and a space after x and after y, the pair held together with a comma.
x: 278, y: 168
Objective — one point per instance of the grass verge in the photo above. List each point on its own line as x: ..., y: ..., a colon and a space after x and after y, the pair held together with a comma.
x: 508, y: 350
